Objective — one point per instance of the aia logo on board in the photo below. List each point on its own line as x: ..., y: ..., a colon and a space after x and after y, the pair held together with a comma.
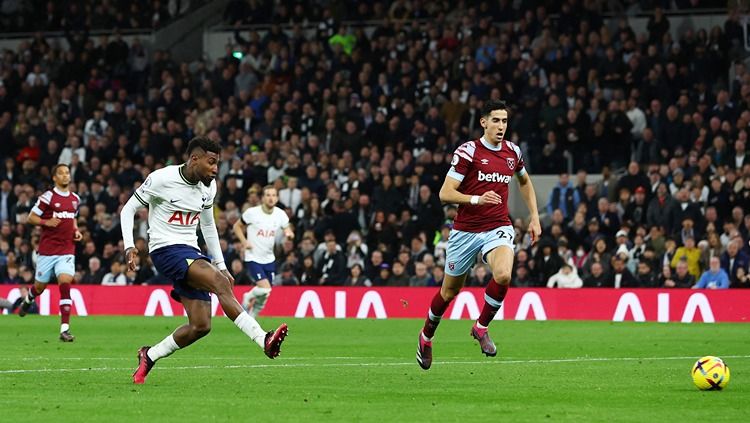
x: 511, y: 163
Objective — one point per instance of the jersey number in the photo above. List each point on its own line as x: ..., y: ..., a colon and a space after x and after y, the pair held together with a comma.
x: 503, y: 234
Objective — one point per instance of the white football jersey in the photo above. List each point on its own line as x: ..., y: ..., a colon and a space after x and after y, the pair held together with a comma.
x: 174, y: 207
x: 261, y: 232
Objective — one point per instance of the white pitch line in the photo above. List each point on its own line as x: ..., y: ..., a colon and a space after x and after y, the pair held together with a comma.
x: 410, y: 363
x: 202, y: 358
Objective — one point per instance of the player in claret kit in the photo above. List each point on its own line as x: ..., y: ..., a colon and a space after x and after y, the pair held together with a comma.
x: 261, y: 223
x: 478, y: 182
x: 179, y: 198
x: 56, y: 211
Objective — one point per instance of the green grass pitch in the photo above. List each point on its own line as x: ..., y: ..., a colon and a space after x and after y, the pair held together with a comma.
x: 365, y: 370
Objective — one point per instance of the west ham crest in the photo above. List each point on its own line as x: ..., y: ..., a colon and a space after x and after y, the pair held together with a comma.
x: 451, y: 265
x: 75, y: 204
x: 511, y: 163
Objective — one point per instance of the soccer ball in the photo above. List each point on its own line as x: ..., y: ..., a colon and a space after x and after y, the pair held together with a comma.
x: 710, y: 373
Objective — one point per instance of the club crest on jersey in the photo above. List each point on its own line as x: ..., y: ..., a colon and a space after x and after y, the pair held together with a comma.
x: 57, y: 204
x: 451, y: 265
x: 511, y: 163
x: 75, y: 204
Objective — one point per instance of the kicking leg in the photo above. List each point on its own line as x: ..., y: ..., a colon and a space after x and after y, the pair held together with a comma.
x: 501, y: 262
x: 440, y: 302
x: 198, y: 326
x: 63, y: 283
x: 204, y: 276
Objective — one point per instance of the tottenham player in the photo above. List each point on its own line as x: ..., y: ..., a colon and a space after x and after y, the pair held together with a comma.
x: 478, y: 182
x: 178, y: 199
x: 56, y: 211
x: 261, y: 223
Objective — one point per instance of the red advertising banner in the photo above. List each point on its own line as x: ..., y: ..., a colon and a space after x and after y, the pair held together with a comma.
x: 653, y: 305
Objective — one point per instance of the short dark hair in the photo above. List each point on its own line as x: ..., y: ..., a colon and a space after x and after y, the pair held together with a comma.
x: 204, y: 143
x: 492, y: 105
x: 58, y: 166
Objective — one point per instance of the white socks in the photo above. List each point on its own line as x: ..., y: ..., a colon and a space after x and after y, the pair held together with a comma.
x: 261, y: 296
x: 251, y: 328
x: 64, y: 327
x: 163, y: 349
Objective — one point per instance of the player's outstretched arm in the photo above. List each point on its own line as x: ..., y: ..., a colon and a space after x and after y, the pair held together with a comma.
x: 126, y: 225
x: 449, y: 194
x: 529, y: 196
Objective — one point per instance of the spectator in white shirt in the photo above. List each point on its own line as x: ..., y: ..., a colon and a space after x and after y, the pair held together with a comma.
x: 116, y: 275
x: 72, y: 147
x: 566, y: 277
x: 95, y: 126
x: 36, y: 77
x: 291, y: 196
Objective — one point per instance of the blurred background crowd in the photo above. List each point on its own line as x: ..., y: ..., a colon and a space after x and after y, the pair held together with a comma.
x: 355, y: 126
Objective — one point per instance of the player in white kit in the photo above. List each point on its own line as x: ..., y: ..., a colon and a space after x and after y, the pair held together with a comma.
x: 178, y: 199
x: 261, y: 224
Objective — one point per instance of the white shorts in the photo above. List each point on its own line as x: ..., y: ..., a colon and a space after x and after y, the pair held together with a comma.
x: 48, y: 267
x: 464, y: 246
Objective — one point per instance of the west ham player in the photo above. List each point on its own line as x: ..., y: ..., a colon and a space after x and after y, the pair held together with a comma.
x: 478, y: 182
x: 261, y: 223
x: 55, y: 211
x: 179, y: 198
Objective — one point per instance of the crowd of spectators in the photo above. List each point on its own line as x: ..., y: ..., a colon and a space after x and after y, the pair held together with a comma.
x: 50, y: 15
x: 356, y: 132
x: 264, y: 12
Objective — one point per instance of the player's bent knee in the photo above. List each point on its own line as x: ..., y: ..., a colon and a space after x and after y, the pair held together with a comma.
x: 200, y: 330
x: 222, y: 284
x: 448, y: 293
x: 502, y: 277
x: 263, y: 283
